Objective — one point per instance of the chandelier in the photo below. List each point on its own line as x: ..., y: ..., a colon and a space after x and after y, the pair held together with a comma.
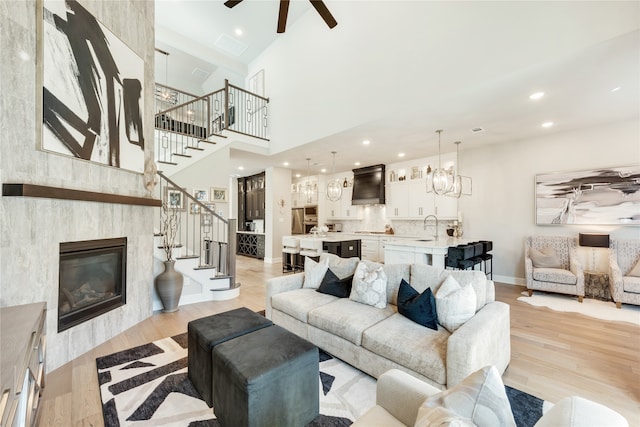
x: 440, y: 181
x: 308, y: 189
x: 334, y: 186
x: 459, y: 181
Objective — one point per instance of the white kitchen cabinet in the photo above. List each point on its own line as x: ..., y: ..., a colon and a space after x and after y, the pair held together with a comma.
x: 397, y: 200
x: 343, y: 209
x: 370, y: 248
x: 410, y: 200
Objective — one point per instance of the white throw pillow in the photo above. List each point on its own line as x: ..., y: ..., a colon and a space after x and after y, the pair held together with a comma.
x: 369, y: 286
x: 480, y: 398
x: 635, y: 271
x: 455, y: 304
x: 441, y: 417
x: 544, y: 258
x: 314, y: 272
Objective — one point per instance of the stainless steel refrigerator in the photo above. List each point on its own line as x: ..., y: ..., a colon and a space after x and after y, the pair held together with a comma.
x: 297, y: 221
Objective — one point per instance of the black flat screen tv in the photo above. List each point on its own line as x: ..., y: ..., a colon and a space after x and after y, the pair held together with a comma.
x: 368, y: 185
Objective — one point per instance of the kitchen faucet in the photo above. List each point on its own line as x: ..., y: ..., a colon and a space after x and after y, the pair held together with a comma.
x: 424, y: 224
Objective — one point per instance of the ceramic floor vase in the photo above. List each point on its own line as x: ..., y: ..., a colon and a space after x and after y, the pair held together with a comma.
x: 169, y: 287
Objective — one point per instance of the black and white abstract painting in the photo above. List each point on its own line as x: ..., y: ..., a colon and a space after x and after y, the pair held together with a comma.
x: 92, y: 89
x: 608, y: 196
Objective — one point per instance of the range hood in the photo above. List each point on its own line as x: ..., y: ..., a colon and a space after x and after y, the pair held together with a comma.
x: 368, y: 185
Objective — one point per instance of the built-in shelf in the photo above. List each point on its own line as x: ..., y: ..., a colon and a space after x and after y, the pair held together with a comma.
x: 31, y: 190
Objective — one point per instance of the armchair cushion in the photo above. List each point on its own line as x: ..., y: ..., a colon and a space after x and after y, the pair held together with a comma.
x: 554, y: 275
x: 576, y: 411
x: 544, y: 258
x: 631, y: 284
x: 481, y: 398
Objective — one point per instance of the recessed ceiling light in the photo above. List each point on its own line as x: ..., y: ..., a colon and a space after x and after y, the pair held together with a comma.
x: 323, y: 170
x: 298, y: 175
x: 285, y: 164
x: 366, y: 142
x: 547, y: 124
x: 615, y: 89
x: 536, y: 95
x: 241, y: 168
x: 356, y: 164
x: 238, y: 31
x: 400, y: 154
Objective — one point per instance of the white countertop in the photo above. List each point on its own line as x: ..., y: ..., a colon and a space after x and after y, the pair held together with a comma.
x: 250, y: 232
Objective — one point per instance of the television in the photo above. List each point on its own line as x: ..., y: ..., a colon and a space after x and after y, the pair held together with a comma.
x: 368, y: 185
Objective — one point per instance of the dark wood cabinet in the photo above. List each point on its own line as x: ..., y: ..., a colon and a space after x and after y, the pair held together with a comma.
x: 251, y: 244
x: 252, y: 198
x: 344, y: 249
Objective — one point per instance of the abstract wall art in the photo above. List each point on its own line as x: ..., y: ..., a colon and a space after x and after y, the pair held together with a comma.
x: 92, y: 96
x: 607, y: 196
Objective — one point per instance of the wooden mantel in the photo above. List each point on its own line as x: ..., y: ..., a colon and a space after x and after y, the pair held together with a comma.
x: 31, y: 190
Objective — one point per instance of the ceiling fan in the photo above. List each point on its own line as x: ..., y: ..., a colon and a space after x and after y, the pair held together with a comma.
x: 319, y: 6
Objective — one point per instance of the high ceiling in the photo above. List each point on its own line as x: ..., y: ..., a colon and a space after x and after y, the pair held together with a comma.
x: 597, y: 84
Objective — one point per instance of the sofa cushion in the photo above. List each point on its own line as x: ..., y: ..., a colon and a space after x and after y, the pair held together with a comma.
x: 348, y: 319
x: 441, y: 417
x: 455, y: 304
x: 481, y: 397
x: 554, y: 275
x: 332, y: 285
x: 409, y: 344
x: 576, y: 411
x: 631, y: 284
x: 299, y: 302
x: 369, y: 285
x: 314, y: 272
x: 395, y: 274
x: 423, y: 276
x: 342, y: 267
x: 419, y: 307
x: 544, y: 258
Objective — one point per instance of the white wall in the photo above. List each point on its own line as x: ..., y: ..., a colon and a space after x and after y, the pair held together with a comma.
x: 502, y: 207
x: 31, y: 229
x: 277, y: 222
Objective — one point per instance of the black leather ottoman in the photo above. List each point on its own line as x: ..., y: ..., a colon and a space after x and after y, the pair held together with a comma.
x: 266, y: 378
x: 206, y: 333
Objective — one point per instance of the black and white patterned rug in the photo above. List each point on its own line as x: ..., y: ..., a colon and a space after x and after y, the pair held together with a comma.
x: 148, y: 386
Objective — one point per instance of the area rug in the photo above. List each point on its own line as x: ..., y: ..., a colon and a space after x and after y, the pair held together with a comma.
x: 148, y: 386
x: 605, y: 310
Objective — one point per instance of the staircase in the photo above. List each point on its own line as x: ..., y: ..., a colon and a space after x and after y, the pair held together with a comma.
x: 189, y: 127
x: 206, y: 250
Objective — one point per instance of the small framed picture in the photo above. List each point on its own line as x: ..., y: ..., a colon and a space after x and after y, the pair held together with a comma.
x: 174, y: 198
x: 200, y: 195
x: 211, y: 206
x: 218, y: 194
x: 194, y: 208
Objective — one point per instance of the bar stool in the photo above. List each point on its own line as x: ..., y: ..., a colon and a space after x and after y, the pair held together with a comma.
x: 487, y: 257
x: 291, y: 254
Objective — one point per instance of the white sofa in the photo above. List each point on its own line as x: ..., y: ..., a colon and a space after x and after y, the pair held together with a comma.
x: 375, y: 340
x: 399, y: 397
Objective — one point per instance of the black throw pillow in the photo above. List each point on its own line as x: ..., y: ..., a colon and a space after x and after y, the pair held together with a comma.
x: 332, y: 285
x: 419, y: 307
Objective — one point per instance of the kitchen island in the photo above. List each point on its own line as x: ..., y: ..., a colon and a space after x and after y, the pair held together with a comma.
x: 419, y: 251
x: 344, y: 246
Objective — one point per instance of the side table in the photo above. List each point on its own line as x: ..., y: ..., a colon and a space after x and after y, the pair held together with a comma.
x: 596, y: 285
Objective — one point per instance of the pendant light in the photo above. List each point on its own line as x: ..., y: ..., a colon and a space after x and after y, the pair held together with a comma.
x: 456, y: 188
x: 334, y: 186
x: 308, y: 190
x: 441, y: 179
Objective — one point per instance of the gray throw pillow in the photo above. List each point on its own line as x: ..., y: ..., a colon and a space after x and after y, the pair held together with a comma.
x: 544, y: 258
x: 369, y: 286
x: 314, y: 272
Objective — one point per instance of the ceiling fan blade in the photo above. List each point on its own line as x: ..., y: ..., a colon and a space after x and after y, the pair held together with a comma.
x: 324, y: 12
x: 282, y: 16
x: 231, y: 3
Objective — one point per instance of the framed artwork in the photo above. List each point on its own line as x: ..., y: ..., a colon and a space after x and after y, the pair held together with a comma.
x: 218, y: 194
x: 194, y: 208
x: 607, y: 196
x: 92, y: 94
x: 200, y: 195
x: 174, y: 198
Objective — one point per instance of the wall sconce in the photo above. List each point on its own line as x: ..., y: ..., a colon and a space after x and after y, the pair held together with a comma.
x: 593, y: 240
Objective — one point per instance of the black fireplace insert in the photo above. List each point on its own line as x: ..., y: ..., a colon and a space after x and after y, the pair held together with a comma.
x: 92, y: 279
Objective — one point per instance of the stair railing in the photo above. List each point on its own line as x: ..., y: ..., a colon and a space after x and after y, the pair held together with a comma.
x: 203, y: 233
x: 188, y: 125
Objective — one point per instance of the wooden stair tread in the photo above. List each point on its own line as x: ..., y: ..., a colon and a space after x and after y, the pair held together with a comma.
x: 194, y: 148
x: 167, y: 163
x: 182, y: 155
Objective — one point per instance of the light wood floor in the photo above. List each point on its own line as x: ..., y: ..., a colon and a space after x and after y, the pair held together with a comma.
x: 553, y: 354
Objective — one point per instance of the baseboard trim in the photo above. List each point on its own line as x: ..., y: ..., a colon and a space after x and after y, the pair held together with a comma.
x: 510, y: 280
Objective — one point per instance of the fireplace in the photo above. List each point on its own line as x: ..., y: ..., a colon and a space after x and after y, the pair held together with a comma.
x: 92, y: 279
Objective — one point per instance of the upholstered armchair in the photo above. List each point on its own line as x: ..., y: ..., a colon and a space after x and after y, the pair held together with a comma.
x: 552, y: 265
x: 623, y: 256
